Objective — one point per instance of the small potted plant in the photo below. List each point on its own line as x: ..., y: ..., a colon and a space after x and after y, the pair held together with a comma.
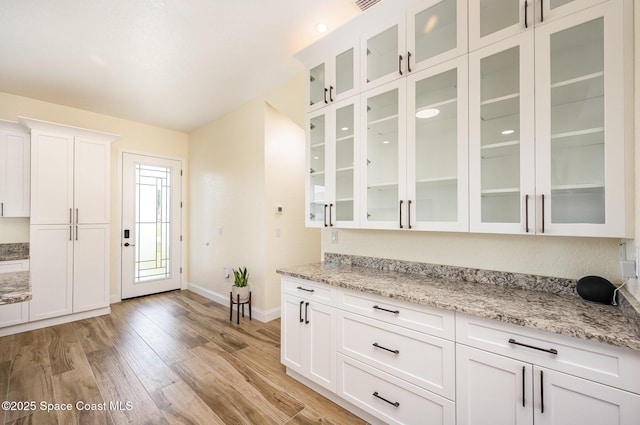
x: 240, y: 284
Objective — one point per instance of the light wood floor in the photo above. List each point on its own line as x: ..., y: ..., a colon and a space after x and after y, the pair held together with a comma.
x: 175, y: 357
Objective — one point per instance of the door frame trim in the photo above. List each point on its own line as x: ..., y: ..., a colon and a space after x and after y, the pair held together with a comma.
x: 117, y: 297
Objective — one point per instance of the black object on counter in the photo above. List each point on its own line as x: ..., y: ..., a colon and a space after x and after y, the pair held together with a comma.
x: 596, y: 289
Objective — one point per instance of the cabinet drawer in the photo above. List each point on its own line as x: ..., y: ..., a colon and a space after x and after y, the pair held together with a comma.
x: 436, y: 322
x: 314, y: 291
x: 14, y: 314
x: 392, y: 400
x: 14, y: 266
x: 610, y: 365
x: 423, y: 360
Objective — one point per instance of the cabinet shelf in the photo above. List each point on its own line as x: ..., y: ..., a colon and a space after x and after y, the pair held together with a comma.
x: 383, y: 186
x: 344, y: 200
x: 498, y: 192
x: 500, y: 99
x: 582, y: 186
x: 446, y: 179
x: 317, y: 173
x: 577, y: 80
x: 500, y: 145
x: 439, y: 104
x: 344, y: 169
x: 343, y: 138
x: 383, y: 120
x: 317, y: 145
x: 577, y: 133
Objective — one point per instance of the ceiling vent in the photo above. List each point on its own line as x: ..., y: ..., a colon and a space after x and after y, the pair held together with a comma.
x: 365, y: 4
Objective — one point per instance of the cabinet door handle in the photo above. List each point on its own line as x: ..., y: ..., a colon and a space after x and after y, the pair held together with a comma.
x: 76, y: 232
x: 330, y: 220
x: 306, y: 314
x: 550, y: 350
x: 401, y: 201
x: 526, y: 213
x: 1, y: 209
x: 409, y: 214
x: 305, y: 289
x: 384, y: 309
x: 70, y: 233
x: 541, y: 392
x: 301, y: 319
x: 543, y: 213
x: 77, y: 215
x: 526, y: 12
x: 400, y: 64
x: 331, y: 93
x: 70, y: 215
x: 375, y: 344
x: 408, y: 61
x: 523, y: 386
x: 541, y: 10
x: 325, y: 95
x: 325, y: 215
x: 396, y: 404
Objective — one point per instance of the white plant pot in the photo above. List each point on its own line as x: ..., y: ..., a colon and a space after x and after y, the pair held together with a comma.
x: 242, y: 291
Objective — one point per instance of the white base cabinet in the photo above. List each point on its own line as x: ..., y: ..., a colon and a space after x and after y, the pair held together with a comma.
x: 14, y: 314
x: 405, y: 363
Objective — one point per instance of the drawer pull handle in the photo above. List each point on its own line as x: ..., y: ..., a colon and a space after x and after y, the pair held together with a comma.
x: 541, y: 392
x: 305, y: 289
x: 375, y: 344
x: 396, y: 404
x: 384, y: 309
x: 550, y: 350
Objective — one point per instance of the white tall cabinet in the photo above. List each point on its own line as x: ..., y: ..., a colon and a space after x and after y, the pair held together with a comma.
x: 70, y: 216
x: 15, y: 162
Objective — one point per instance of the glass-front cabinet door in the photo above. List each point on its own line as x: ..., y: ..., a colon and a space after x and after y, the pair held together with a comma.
x: 437, y: 148
x: 580, y: 117
x: 501, y: 137
x: 333, y: 80
x: 436, y: 32
x: 494, y: 20
x: 383, y: 153
x: 332, y: 150
x: 383, y: 55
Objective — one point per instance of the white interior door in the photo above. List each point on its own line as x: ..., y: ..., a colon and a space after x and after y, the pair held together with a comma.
x: 151, y: 225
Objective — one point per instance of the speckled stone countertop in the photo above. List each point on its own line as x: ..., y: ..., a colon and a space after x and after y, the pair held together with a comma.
x: 561, y: 313
x: 15, y: 287
x: 14, y: 251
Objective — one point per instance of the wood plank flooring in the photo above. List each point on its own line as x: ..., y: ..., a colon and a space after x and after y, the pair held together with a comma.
x: 172, y: 358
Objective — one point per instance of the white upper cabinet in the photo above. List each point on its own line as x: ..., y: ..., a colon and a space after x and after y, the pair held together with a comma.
x: 15, y: 174
x: 333, y: 79
x: 564, y: 169
x: 501, y: 137
x: 495, y: 20
x: 429, y: 33
x: 437, y: 148
x: 332, y: 153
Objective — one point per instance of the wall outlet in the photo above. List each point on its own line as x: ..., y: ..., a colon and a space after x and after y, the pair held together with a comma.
x: 227, y: 272
x: 334, y: 236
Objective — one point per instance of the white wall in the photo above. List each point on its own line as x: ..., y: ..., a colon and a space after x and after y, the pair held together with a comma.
x: 133, y: 136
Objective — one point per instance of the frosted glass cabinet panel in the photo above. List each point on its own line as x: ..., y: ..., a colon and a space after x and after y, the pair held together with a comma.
x: 436, y: 32
x: 384, y: 154
x: 382, y: 54
x: 332, y: 80
x: 437, y: 149
x: 501, y: 162
x: 579, y: 147
x: 332, y: 183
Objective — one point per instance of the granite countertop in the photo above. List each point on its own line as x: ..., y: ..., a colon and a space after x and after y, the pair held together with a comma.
x: 14, y: 251
x: 564, y: 313
x: 15, y: 287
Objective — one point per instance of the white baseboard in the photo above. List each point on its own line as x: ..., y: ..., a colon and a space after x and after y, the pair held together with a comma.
x: 24, y: 327
x: 114, y: 299
x: 258, y: 314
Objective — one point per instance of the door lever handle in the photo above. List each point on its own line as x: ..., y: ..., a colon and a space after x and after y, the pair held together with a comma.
x: 129, y: 244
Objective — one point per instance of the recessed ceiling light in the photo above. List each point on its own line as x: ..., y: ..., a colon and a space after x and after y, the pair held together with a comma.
x: 505, y: 132
x: 321, y: 27
x: 427, y: 113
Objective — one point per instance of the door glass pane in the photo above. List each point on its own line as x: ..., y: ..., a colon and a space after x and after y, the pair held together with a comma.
x: 344, y: 163
x: 500, y: 137
x: 153, y: 223
x: 317, y: 170
x: 577, y: 124
x: 496, y: 15
x: 316, y: 84
x: 344, y: 71
x: 382, y: 54
x: 435, y: 30
x: 436, y: 148
x: 382, y: 157
x: 557, y: 3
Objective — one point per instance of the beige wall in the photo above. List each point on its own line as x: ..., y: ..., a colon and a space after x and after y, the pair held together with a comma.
x: 242, y: 166
x: 133, y: 136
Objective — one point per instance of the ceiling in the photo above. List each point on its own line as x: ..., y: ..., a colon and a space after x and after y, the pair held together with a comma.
x: 177, y: 64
